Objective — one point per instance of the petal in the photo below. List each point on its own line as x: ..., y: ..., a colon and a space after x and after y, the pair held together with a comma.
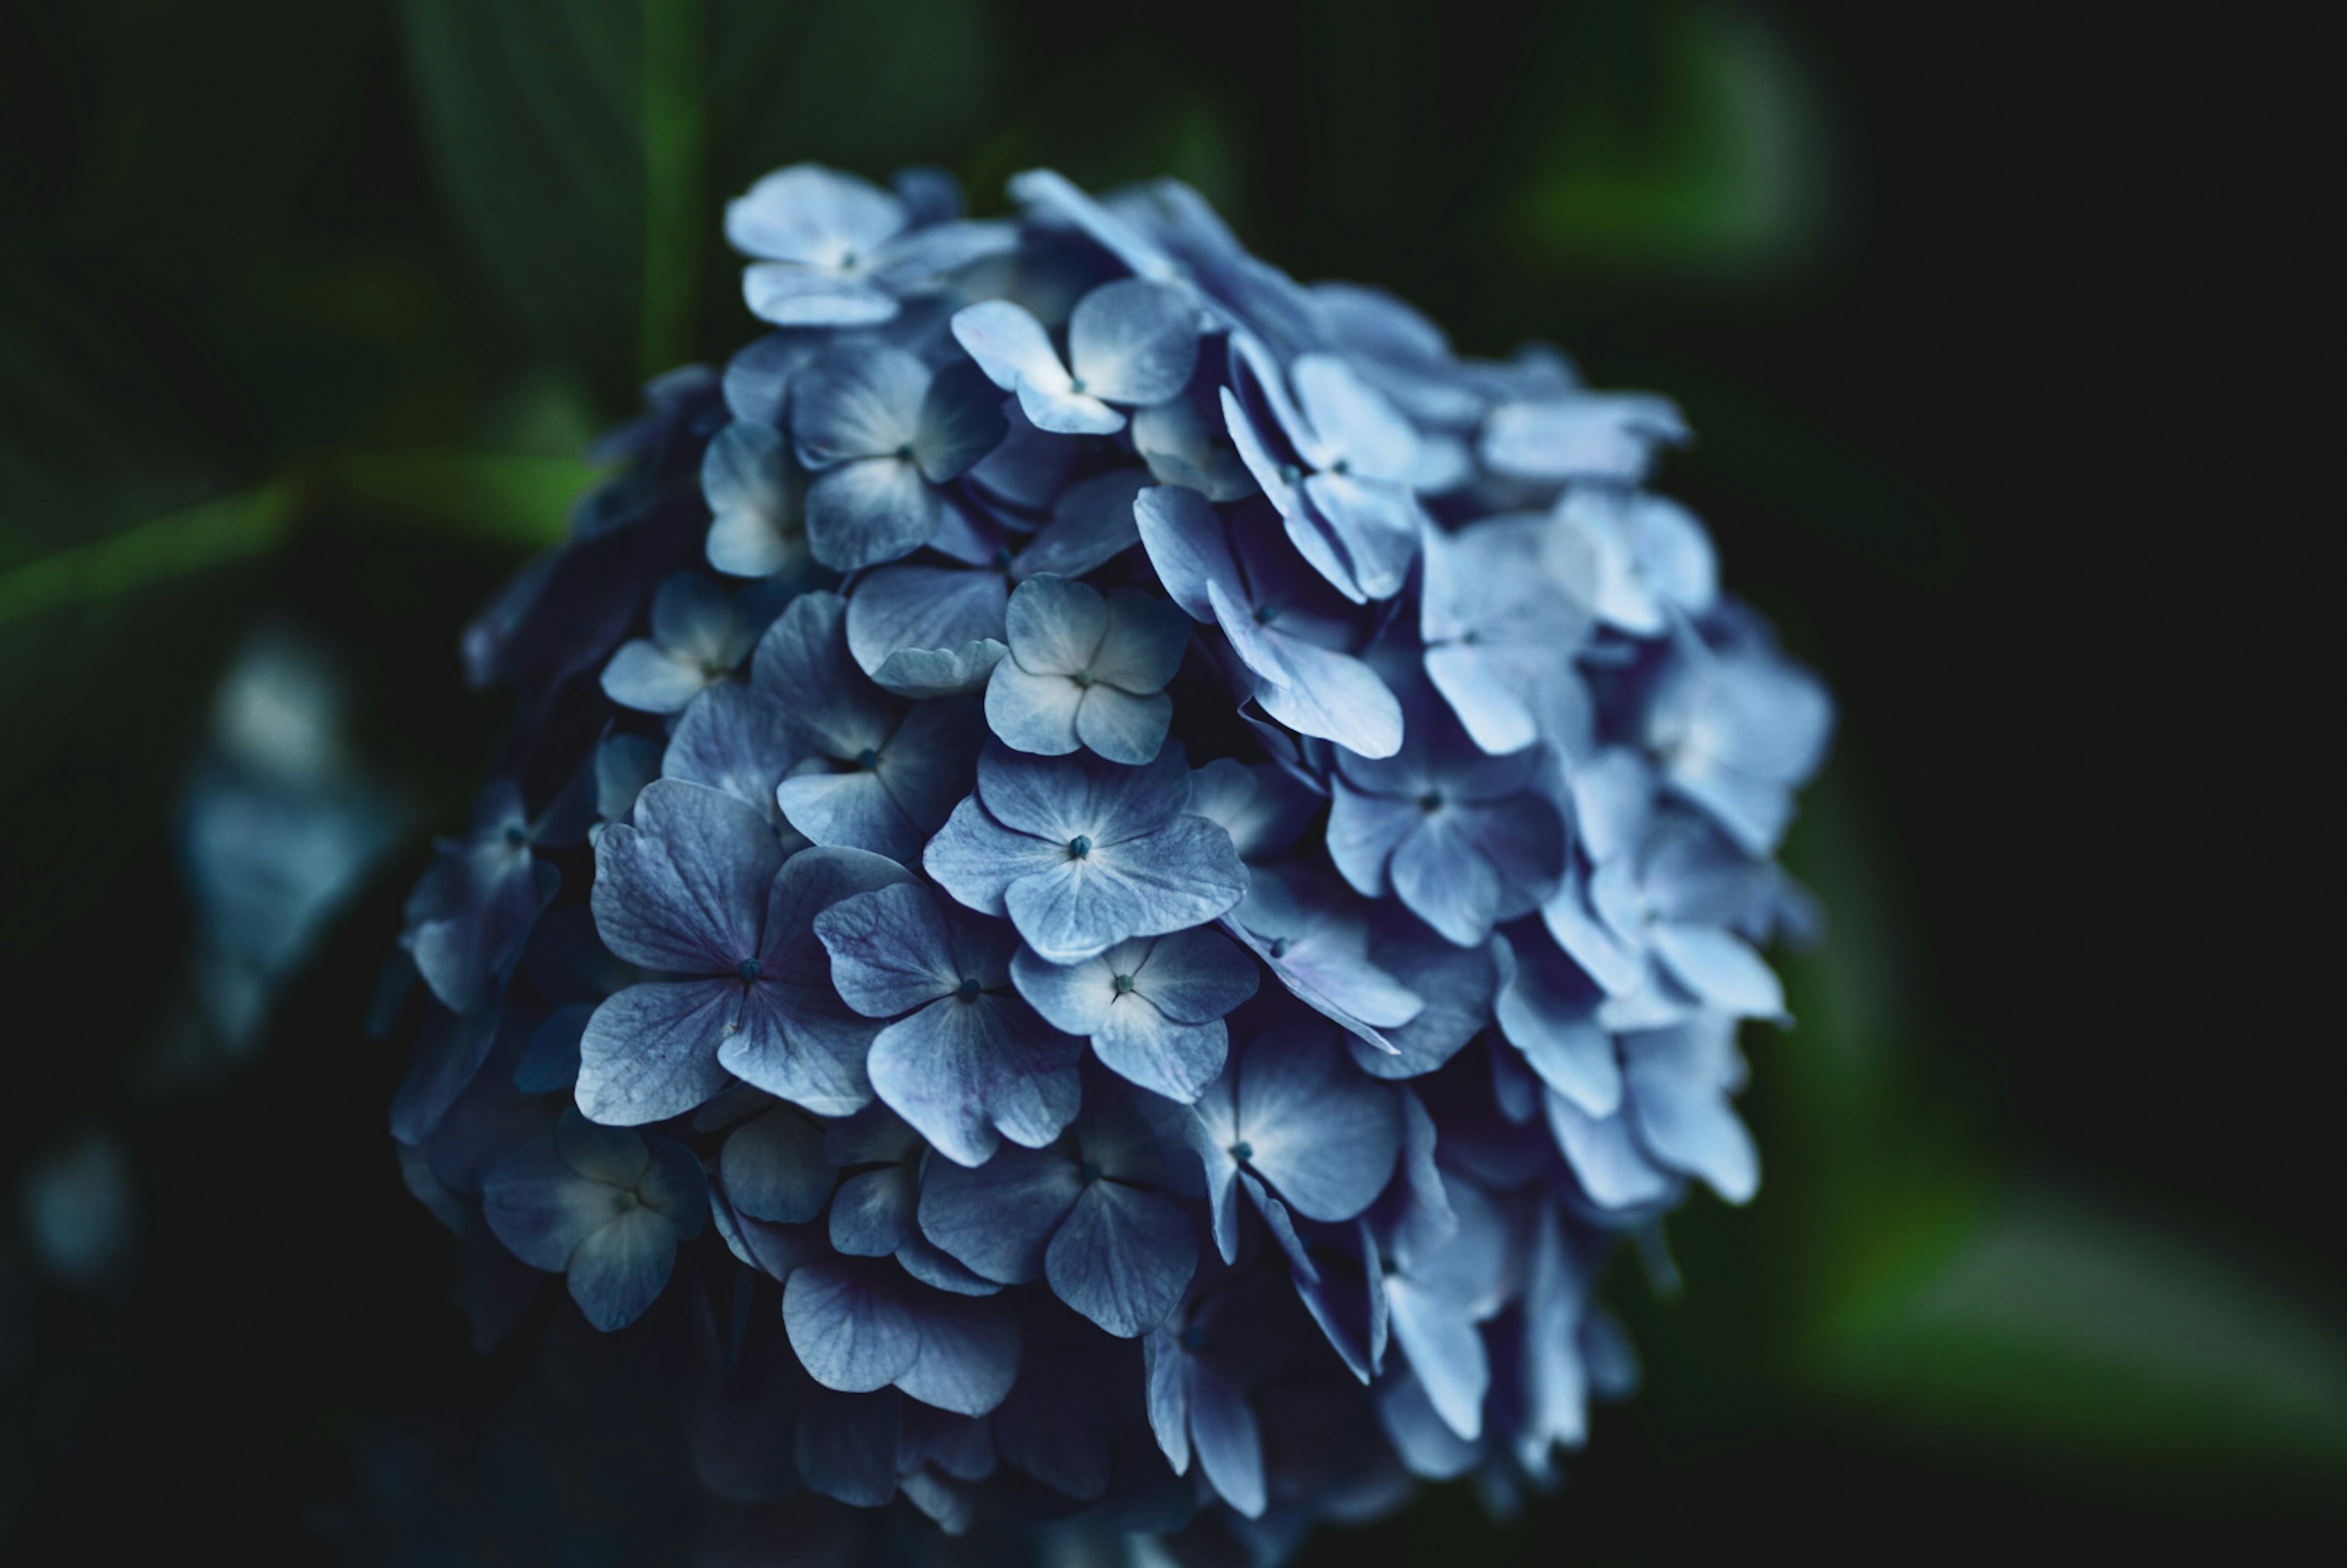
x: 857, y: 402
x: 1446, y: 1352
x: 970, y: 1354
x: 889, y: 949
x: 1441, y: 874
x: 1549, y: 1011
x: 1489, y: 703
x: 1376, y: 524
x: 802, y: 662
x: 1230, y: 1448
x: 753, y: 495
x: 1585, y: 436
x: 962, y: 1071
x: 684, y: 888
x: 925, y: 763
x: 1352, y: 419
x: 1056, y: 625
x: 1122, y: 1258
x: 1009, y: 345
x: 850, y: 1324
x: 940, y: 673
x: 644, y: 676
x: 869, y: 510
x: 1187, y: 546
x: 774, y: 1168
x: 1072, y: 997
x: 1092, y: 523
x: 1033, y: 713
x: 1676, y: 1081
x: 813, y: 215
x: 650, y: 1051
x: 793, y: 296
x: 1140, y: 1045
x: 803, y: 1045
x: 960, y: 422
x: 847, y: 1445
x: 1364, y: 830
x: 1332, y: 695
x: 1320, y: 1131
x: 898, y: 608
x: 1066, y: 413
x: 735, y: 740
x: 1613, y: 1169
x: 1056, y: 801
x: 1166, y: 1372
x: 1721, y: 968
x: 853, y: 810
x: 997, y: 1217
x: 1134, y: 342
x: 1196, y: 975
x: 1122, y: 727
x: 1144, y: 644
x: 872, y: 1213
x: 541, y: 1209
x: 619, y: 1270
x: 977, y: 860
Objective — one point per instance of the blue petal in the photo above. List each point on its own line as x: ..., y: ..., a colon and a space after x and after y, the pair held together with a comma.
x: 619, y: 1270
x: 1261, y: 807
x: 925, y: 763
x: 1009, y: 345
x: 1066, y: 413
x: 1721, y: 968
x: 646, y: 677
x: 684, y: 888
x: 1134, y: 342
x: 890, y: 952
x: 870, y: 510
x: 1445, y: 1350
x: 774, y: 1168
x: 969, y: 1353
x: 1186, y: 545
x: 977, y: 860
x: 1122, y: 727
x: 802, y: 662
x: 960, y: 422
x: 1676, y: 1081
x: 792, y: 296
x: 541, y: 1209
x: 755, y: 527
x: 1421, y: 1438
x: 1586, y: 436
x: 1351, y: 420
x: 1457, y: 984
x: 934, y: 1267
x: 1091, y: 524
x: 1033, y: 713
x: 1613, y: 1171
x: 1057, y: 801
x: 813, y: 215
x: 1325, y: 1137
x: 1076, y: 998
x: 962, y: 1071
x: 1142, y: 648
x: 650, y: 1051
x: 1180, y: 874
x: 1166, y: 1379
x: 1056, y: 625
x: 1364, y: 830
x: 997, y: 1217
x: 1549, y: 1011
x: 1143, y: 1046
x: 735, y: 740
x: 858, y: 403
x: 1230, y: 1447
x: 872, y: 1213
x: 903, y: 609
x: 849, y: 810
x: 1122, y: 1258
x: 851, y: 1324
x: 1195, y: 976
x: 1440, y: 873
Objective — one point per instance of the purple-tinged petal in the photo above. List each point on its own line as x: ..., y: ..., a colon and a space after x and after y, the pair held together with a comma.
x: 850, y: 1324
x: 997, y: 1217
x: 1123, y: 1258
x: 965, y: 1072
x: 650, y: 1051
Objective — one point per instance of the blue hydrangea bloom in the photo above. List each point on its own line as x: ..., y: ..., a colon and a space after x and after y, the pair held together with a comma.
x: 1203, y: 873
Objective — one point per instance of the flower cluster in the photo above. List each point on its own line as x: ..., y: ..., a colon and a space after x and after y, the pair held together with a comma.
x: 1163, y: 863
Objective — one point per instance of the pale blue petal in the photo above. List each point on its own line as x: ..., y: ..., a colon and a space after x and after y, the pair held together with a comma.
x: 1056, y: 625
x: 1142, y: 647
x: 1364, y: 830
x: 1230, y: 1448
x: 963, y: 1071
x: 977, y: 860
x: 853, y: 810
x: 1033, y: 713
x: 1092, y: 523
x: 753, y: 495
x: 1676, y: 1081
x: 1134, y: 342
x: 650, y: 1051
x: 969, y: 1357
x: 1446, y: 1351
x: 802, y: 662
x: 1549, y: 1012
x: 1325, y: 1136
x: 872, y: 1212
x: 1073, y: 996
x: 850, y: 1324
x: 647, y: 677
x: 619, y: 1270
x: 792, y: 296
x: 960, y: 422
x: 890, y: 952
x: 1009, y: 345
x: 801, y: 1043
x: 1186, y: 545
x: 940, y: 673
x: 1613, y: 1171
x: 856, y: 403
x: 1140, y: 1045
x: 736, y: 740
x: 899, y: 608
x: 997, y: 1217
x: 869, y: 510
x: 1122, y: 727
x: 1721, y: 968
x: 813, y: 215
x: 1122, y: 1258
x: 1586, y: 436
x: 1196, y: 974
x: 1352, y: 419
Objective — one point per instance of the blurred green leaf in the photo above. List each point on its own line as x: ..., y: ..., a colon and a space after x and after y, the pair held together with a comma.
x: 231, y: 529
x: 584, y: 146
x: 517, y: 499
x: 1687, y: 137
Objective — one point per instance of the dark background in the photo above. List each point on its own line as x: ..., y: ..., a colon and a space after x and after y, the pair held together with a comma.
x: 1983, y: 323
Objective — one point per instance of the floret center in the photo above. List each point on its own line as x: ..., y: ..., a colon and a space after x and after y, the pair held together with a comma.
x: 1088, y: 1173
x: 1080, y: 846
x: 1123, y: 984
x: 1081, y: 678
x: 750, y: 968
x: 1075, y: 383
x: 515, y: 838
x: 1279, y: 946
x: 1242, y: 1150
x: 1430, y: 802
x: 629, y: 1199
x: 967, y: 990
x: 868, y: 758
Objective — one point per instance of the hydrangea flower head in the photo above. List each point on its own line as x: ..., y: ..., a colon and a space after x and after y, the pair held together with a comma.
x: 1110, y: 856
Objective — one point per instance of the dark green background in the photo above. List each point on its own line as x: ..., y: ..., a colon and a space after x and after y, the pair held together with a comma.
x: 314, y: 306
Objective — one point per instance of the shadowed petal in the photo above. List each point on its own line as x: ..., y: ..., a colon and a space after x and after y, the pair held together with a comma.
x: 850, y: 1324
x: 997, y: 1217
x: 963, y: 1071
x: 1122, y: 1258
x: 650, y: 1051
